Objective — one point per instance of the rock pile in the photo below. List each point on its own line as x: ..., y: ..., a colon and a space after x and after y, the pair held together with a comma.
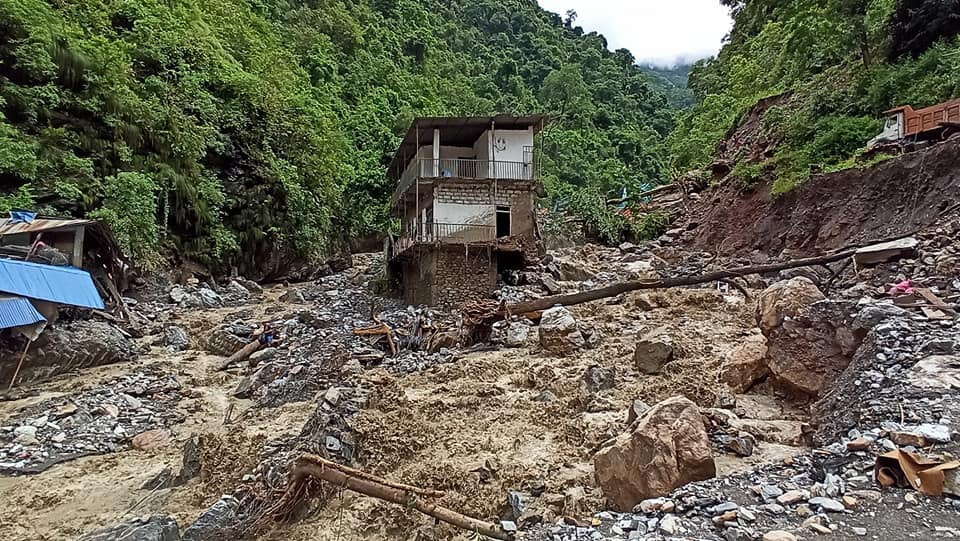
x: 104, y: 419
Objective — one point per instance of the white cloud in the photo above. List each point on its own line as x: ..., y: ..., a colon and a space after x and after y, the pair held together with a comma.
x: 659, y: 32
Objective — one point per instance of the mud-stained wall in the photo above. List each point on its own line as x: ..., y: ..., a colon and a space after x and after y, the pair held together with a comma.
x: 449, y: 275
x: 831, y: 211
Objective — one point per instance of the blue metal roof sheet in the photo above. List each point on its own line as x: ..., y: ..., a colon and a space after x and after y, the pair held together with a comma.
x: 17, y: 311
x: 62, y: 285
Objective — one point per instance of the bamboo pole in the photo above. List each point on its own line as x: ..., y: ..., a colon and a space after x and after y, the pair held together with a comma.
x: 19, y: 364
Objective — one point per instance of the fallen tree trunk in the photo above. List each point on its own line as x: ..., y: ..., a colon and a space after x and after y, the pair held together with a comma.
x: 245, y: 352
x: 320, y: 461
x: 624, y: 287
x: 306, y: 469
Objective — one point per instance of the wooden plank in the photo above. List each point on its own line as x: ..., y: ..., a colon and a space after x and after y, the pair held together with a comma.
x: 933, y: 299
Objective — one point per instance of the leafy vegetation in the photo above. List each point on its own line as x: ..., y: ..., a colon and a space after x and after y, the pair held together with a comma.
x: 236, y: 131
x: 839, y: 63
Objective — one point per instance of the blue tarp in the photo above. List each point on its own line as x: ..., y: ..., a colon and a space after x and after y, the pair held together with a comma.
x: 62, y: 285
x: 17, y: 311
x: 22, y: 216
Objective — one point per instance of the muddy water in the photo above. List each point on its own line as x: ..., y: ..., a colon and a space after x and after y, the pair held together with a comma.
x: 471, y: 427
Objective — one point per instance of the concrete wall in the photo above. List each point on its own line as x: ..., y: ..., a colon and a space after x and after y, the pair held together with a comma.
x: 515, y: 141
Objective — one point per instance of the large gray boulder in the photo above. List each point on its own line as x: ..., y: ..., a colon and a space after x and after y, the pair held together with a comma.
x: 69, y: 346
x: 559, y: 331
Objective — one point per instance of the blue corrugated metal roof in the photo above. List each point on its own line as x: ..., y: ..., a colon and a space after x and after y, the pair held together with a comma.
x: 62, y: 285
x: 17, y: 311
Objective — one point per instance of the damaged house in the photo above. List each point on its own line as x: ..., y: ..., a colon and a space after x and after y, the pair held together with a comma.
x: 43, y: 271
x: 465, y: 195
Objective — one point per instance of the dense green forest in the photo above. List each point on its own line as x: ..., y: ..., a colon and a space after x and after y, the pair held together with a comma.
x: 672, y: 83
x: 837, y: 64
x: 241, y: 132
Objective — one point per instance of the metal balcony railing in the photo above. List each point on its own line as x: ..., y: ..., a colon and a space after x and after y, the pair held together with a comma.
x: 466, y: 169
x: 441, y: 233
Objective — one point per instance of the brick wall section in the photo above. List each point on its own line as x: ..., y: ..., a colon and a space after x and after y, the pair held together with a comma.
x: 449, y: 275
x: 463, y: 193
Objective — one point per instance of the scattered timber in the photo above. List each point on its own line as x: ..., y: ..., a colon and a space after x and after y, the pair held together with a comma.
x: 488, y: 316
x: 310, y: 468
x: 244, y: 353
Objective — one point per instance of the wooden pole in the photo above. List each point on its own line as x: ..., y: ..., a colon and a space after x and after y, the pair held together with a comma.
x: 320, y: 461
x: 368, y: 487
x: 19, y: 364
x: 244, y: 352
x: 624, y: 287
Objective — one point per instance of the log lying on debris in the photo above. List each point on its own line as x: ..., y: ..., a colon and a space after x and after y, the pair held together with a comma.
x: 624, y: 287
x: 244, y: 353
x: 310, y: 467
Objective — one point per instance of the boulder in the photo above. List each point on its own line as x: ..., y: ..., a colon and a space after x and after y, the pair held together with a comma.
x: 636, y: 410
x: 570, y: 270
x: 653, y: 351
x: 550, y: 285
x: 155, y: 528
x: 209, y: 298
x: 745, y: 364
x: 176, y: 339
x: 68, y: 347
x: 516, y: 335
x: 151, y: 439
x: 559, y: 331
x: 221, y: 516
x: 597, y: 378
x: 785, y: 299
x: 808, y: 351
x: 664, y: 449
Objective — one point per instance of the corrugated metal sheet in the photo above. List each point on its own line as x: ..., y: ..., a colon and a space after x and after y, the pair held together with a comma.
x: 63, y: 285
x: 7, y: 227
x: 17, y: 311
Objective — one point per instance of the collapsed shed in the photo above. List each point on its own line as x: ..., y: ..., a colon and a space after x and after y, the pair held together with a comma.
x: 80, y: 243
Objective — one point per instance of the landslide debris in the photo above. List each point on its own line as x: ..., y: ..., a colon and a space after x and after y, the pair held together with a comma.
x: 517, y: 433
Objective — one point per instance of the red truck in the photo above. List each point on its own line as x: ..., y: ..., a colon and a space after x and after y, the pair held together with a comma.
x: 929, y: 123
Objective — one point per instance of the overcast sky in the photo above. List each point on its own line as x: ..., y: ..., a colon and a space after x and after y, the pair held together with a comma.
x: 656, y: 31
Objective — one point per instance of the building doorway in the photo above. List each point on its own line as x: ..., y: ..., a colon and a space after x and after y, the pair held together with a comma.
x: 503, y: 221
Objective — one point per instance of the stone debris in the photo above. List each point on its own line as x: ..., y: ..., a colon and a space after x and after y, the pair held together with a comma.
x: 107, y: 418
x: 653, y: 352
x: 559, y: 331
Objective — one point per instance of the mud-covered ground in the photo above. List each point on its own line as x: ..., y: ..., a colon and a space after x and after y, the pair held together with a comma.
x: 477, y: 423
x: 480, y: 426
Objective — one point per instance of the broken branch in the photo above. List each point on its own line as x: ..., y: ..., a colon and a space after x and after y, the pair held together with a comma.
x: 306, y: 469
x: 319, y: 460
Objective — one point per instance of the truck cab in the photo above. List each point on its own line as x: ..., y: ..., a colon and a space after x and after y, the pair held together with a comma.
x: 892, y: 130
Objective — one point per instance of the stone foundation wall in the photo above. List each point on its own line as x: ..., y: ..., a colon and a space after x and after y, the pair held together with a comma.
x: 463, y: 275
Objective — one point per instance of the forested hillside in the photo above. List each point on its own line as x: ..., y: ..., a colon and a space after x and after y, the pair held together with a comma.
x: 836, y: 65
x: 672, y: 83
x: 247, y: 132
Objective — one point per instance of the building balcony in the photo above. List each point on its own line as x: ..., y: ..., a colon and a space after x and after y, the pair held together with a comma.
x: 461, y: 169
x: 440, y: 233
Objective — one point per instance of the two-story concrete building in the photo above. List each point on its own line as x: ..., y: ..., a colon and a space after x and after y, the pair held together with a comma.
x: 465, y: 196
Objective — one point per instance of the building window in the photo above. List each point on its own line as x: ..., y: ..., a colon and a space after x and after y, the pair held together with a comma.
x: 503, y: 221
